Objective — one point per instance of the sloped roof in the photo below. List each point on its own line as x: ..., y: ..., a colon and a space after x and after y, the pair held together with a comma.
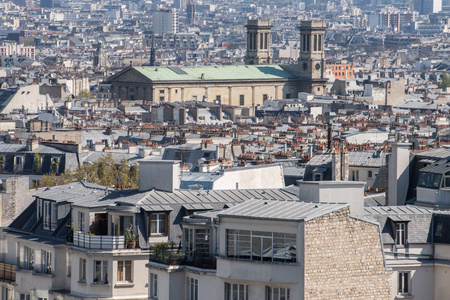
x: 281, y: 210
x: 247, y: 72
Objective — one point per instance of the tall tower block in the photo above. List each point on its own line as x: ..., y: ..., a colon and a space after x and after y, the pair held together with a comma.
x: 311, y: 60
x: 259, y: 40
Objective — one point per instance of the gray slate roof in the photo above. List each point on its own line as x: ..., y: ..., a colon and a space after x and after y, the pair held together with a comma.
x: 418, y: 218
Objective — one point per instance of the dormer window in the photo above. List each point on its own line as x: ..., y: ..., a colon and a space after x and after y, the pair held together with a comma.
x: 400, y: 233
x: 48, y: 211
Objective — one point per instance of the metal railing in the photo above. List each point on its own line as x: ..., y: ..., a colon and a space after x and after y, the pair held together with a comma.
x: 102, y: 242
x: 175, y: 257
x: 7, y: 272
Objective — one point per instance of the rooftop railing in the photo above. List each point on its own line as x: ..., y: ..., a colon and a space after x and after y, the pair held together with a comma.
x: 98, y: 242
x: 175, y: 257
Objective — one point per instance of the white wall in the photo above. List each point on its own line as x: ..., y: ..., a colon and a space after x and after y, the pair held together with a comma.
x: 264, y: 177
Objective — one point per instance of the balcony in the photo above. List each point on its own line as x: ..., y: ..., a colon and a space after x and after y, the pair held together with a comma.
x: 7, y: 272
x: 98, y: 242
x: 174, y: 257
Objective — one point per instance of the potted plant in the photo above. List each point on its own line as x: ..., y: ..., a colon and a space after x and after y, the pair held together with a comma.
x: 130, y: 237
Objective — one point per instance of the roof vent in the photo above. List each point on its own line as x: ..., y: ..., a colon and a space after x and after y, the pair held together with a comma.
x: 266, y: 202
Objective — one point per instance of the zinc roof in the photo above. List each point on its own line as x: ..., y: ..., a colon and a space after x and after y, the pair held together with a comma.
x: 281, y: 210
x: 246, y: 72
x: 441, y: 167
x: 211, y: 197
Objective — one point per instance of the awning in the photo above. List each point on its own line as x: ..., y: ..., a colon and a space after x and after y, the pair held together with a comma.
x: 399, y: 218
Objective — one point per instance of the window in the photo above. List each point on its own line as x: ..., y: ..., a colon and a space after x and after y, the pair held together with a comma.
x: 241, y: 100
x: 369, y: 174
x: 266, y: 42
x: 18, y: 162
x: 81, y: 221
x: 192, y: 288
x: 403, y: 283
x: 161, y: 91
x: 235, y: 291
x: 7, y: 293
x: 196, y: 240
x: 82, y: 270
x: 265, y: 97
x: 429, y: 180
x: 320, y: 42
x: 218, y: 97
x: 277, y: 293
x: 100, y: 271
x: 28, y: 262
x: 288, y: 96
x: 153, y: 286
x: 124, y: 270
x: 261, y: 246
x: 161, y: 98
x: 46, y: 262
x: 158, y: 224
x: 400, y: 233
x: 24, y: 297
x: 315, y: 42
x: 49, y: 215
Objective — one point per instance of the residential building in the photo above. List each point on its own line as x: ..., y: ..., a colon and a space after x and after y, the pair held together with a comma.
x: 263, y: 249
x: 165, y: 21
x: 10, y: 49
x: 415, y: 242
x: 425, y: 7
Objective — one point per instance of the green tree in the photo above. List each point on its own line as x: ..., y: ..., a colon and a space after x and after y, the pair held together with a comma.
x: 66, y: 177
x: 107, y: 170
x: 37, y: 162
x: 445, y: 83
x: 48, y: 180
x: 85, y: 94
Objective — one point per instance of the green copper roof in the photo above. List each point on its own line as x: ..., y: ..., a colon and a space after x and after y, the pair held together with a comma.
x: 247, y: 72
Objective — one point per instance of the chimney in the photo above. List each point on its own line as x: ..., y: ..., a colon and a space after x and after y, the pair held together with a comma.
x: 162, y: 175
x: 351, y: 192
x: 398, y: 173
x: 32, y: 144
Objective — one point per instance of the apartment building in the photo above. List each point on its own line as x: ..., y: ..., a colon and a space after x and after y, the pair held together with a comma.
x: 8, y: 48
x: 263, y: 249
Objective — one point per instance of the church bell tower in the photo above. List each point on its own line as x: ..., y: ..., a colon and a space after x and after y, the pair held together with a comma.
x: 311, y: 61
x: 259, y: 40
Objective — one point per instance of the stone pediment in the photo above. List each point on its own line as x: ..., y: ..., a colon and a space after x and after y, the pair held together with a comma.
x: 129, y: 75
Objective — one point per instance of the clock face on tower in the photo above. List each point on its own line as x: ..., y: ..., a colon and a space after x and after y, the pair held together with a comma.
x: 305, y: 66
x: 317, y: 66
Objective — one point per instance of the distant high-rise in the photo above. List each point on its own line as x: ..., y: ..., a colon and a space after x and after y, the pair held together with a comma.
x: 425, y: 7
x: 47, y: 3
x: 259, y: 40
x: 179, y: 4
x: 190, y: 11
x: 165, y: 21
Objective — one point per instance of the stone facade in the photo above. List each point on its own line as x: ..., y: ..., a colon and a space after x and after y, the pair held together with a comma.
x: 15, y: 197
x: 344, y: 259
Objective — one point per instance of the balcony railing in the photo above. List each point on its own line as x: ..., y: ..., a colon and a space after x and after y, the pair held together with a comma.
x: 101, y: 242
x: 7, y: 272
x: 174, y: 257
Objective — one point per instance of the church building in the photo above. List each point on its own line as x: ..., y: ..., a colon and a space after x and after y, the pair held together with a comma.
x: 244, y: 85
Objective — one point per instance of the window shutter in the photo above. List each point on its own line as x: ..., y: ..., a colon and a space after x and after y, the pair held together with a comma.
x: 166, y: 224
